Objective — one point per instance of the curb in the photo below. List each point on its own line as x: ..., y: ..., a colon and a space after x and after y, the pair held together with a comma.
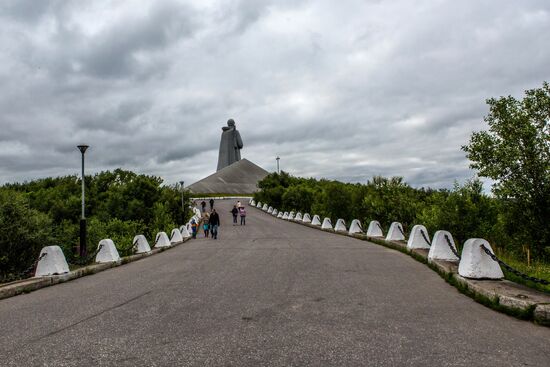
x: 31, y: 284
x: 504, y: 296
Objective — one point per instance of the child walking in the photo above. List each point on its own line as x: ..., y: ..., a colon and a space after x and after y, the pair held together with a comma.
x: 206, y: 226
x: 194, y: 227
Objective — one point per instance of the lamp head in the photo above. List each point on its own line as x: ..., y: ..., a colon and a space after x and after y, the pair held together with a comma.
x: 82, y: 148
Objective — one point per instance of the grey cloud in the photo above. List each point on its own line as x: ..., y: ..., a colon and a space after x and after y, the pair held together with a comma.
x: 343, y: 91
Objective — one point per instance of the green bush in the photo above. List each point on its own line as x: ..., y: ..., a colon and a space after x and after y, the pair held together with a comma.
x: 119, y: 205
x: 23, y: 232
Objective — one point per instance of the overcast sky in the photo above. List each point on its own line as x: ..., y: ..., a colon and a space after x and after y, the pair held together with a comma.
x: 338, y: 89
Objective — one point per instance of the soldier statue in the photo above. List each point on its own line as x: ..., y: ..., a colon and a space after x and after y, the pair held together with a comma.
x: 230, y: 145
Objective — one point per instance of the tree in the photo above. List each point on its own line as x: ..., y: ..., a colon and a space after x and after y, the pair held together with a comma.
x: 23, y: 232
x: 515, y: 153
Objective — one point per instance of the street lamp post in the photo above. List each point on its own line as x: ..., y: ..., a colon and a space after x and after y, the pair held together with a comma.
x: 182, y: 206
x: 278, y: 158
x: 82, y: 149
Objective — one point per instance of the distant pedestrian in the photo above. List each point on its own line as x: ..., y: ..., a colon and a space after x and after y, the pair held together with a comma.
x: 235, y: 212
x: 211, y: 204
x: 203, y: 205
x: 239, y: 205
x: 206, y: 225
x: 194, y: 228
x: 214, y: 224
x: 242, y: 213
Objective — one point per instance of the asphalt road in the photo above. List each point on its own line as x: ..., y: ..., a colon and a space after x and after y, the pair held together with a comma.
x: 269, y: 293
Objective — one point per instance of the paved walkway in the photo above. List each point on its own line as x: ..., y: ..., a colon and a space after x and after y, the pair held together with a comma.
x: 271, y: 293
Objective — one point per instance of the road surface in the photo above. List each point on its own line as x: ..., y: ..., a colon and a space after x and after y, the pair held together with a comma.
x: 271, y: 293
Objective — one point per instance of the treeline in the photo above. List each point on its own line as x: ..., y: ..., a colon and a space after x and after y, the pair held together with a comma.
x: 119, y: 205
x: 465, y: 210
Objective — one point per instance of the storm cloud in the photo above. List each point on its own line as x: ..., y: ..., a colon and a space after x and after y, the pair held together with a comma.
x: 343, y: 90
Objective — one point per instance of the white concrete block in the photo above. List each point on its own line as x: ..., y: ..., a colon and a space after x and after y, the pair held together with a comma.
x: 265, y: 207
x: 375, y: 229
x: 162, y: 240
x: 275, y: 212
x: 175, y: 236
x: 291, y: 216
x: 416, y: 240
x: 316, y: 221
x: 141, y: 244
x: 285, y: 216
x: 270, y: 210
x: 253, y: 203
x: 440, y: 248
x: 306, y: 218
x: 298, y: 217
x: 185, y: 232
x: 52, y: 263
x: 327, y: 224
x: 476, y: 264
x: 259, y: 205
x: 355, y: 227
x: 108, y: 252
x: 395, y: 233
x: 340, y: 226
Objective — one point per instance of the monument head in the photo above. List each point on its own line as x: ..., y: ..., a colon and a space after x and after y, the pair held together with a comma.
x: 230, y: 145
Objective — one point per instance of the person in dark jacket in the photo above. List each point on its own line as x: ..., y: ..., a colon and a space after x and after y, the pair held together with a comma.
x: 214, y: 224
x: 211, y: 204
x: 235, y: 212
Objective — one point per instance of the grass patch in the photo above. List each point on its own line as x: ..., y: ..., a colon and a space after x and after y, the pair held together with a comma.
x: 537, y: 269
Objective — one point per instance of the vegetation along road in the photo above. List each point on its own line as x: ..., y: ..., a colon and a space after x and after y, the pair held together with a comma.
x: 270, y: 293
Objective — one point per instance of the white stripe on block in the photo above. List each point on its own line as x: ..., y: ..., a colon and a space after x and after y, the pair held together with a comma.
x: 52, y: 263
x: 316, y: 221
x: 416, y: 239
x: 141, y: 244
x: 184, y: 232
x: 395, y: 233
x: 375, y: 229
x: 327, y: 224
x: 175, y: 236
x: 108, y: 252
x: 355, y: 227
x: 476, y: 264
x: 162, y: 240
x: 340, y: 226
x: 440, y: 248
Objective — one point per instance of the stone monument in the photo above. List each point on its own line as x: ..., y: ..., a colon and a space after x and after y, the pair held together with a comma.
x: 233, y: 175
x: 230, y: 145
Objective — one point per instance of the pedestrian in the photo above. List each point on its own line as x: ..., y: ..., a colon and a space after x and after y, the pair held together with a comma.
x: 206, y: 225
x: 203, y: 205
x: 242, y: 213
x: 194, y: 228
x: 235, y: 212
x: 211, y: 204
x: 239, y: 204
x: 214, y: 223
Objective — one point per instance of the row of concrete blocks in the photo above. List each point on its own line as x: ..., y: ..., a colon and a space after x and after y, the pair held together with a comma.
x: 474, y: 263
x: 52, y: 261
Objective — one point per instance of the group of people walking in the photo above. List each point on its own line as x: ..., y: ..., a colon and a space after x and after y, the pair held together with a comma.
x: 211, y: 221
x: 239, y: 211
